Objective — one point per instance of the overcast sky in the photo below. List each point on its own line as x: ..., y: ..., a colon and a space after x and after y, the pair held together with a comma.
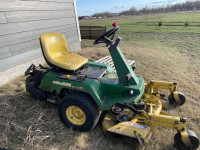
x: 89, y: 7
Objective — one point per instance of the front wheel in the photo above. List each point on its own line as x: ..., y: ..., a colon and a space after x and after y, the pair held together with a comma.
x: 194, y: 140
x: 78, y: 110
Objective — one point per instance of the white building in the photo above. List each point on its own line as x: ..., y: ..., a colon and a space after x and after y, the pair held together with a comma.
x: 21, y: 24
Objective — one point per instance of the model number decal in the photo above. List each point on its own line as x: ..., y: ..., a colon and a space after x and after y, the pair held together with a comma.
x: 67, y: 84
x: 136, y: 125
x: 112, y: 76
x: 62, y: 83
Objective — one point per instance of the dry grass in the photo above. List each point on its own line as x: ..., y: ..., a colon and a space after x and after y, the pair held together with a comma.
x: 26, y: 123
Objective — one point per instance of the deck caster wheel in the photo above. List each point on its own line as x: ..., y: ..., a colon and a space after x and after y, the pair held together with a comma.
x: 179, y: 144
x: 176, y: 100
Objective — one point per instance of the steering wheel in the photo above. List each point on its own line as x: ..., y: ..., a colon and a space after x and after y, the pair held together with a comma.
x: 104, y: 38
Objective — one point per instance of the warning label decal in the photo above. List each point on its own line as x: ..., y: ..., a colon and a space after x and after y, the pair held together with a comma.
x: 136, y: 125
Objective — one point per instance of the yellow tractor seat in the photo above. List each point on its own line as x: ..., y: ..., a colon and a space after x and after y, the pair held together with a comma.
x: 57, y: 54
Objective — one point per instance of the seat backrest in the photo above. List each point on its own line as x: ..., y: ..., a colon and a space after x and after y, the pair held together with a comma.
x: 53, y: 44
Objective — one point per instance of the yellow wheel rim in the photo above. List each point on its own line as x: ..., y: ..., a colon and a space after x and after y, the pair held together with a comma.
x: 75, y: 115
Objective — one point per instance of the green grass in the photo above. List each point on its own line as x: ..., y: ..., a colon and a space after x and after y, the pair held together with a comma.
x: 130, y: 24
x: 172, y: 34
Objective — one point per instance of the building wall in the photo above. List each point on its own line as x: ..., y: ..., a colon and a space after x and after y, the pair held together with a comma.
x: 23, y: 21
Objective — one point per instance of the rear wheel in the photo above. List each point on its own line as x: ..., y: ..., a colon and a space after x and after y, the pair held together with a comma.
x: 32, y: 90
x: 192, y: 137
x: 78, y: 110
x: 172, y: 99
x: 28, y: 83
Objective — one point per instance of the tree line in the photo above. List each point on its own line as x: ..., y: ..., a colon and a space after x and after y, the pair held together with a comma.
x: 186, y: 6
x: 103, y: 14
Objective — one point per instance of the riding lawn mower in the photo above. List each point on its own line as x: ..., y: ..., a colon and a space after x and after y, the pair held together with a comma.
x: 83, y: 90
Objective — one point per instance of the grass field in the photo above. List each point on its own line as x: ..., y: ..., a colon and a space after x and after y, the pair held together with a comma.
x: 170, y: 53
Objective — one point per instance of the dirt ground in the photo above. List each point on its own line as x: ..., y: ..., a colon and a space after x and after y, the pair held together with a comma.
x: 26, y: 123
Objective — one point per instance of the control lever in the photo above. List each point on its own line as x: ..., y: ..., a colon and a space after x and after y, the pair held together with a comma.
x: 29, y: 69
x: 113, y: 47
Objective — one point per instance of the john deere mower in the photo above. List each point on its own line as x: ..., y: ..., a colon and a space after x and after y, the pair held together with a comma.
x: 83, y: 89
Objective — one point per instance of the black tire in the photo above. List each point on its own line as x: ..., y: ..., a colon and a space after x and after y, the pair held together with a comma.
x: 28, y: 83
x: 34, y: 92
x: 172, y: 100
x: 86, y: 104
x: 193, y: 139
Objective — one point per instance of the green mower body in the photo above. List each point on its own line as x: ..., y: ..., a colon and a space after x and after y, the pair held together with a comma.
x: 83, y: 93
x: 100, y: 82
x: 105, y: 86
x: 91, y: 88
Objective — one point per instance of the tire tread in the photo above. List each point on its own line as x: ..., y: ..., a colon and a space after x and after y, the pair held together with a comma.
x: 87, y: 102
